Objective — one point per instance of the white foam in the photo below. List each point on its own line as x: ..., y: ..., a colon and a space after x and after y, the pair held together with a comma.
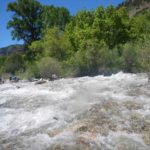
x: 37, y: 109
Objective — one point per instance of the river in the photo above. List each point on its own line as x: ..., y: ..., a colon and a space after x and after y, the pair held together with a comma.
x: 88, y: 113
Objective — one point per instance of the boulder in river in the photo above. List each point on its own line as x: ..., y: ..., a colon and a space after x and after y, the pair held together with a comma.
x: 54, y: 77
x: 40, y: 82
x: 32, y: 80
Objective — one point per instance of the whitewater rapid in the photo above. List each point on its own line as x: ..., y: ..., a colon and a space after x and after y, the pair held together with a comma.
x: 92, y: 113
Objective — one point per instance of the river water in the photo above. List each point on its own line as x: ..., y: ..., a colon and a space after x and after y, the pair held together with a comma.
x: 91, y: 113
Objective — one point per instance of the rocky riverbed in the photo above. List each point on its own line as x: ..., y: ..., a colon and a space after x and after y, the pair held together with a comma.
x: 89, y: 113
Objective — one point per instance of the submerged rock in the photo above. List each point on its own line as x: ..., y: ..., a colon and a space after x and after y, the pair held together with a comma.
x: 54, y: 77
x: 33, y: 80
x: 56, y: 118
x: 40, y: 82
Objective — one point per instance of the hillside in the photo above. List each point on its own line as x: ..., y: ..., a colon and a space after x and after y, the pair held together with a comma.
x: 10, y: 49
x: 136, y: 6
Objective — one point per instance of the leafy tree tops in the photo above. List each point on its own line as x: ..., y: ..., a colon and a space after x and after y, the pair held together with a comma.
x: 55, y: 16
x: 91, y: 42
x: 30, y: 18
x: 25, y: 23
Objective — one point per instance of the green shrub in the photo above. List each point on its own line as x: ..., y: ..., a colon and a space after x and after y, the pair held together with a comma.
x: 30, y: 72
x: 47, y: 67
x: 13, y: 63
x: 130, y: 60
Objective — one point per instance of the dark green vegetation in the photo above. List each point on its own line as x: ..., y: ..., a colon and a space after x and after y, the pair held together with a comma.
x: 93, y: 42
x: 25, y: 22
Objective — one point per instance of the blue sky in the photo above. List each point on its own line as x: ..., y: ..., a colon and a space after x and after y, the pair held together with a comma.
x: 72, y: 5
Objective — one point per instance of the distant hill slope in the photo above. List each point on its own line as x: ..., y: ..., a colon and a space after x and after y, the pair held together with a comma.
x: 11, y: 49
x: 136, y: 6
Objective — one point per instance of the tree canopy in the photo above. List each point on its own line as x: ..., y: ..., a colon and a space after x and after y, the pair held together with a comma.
x: 91, y: 42
x: 55, y: 16
x: 25, y: 23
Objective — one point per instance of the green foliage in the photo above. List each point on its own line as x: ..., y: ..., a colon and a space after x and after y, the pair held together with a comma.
x: 111, y: 25
x: 13, y: 63
x: 43, y: 68
x: 97, y: 58
x: 26, y: 23
x: 47, y: 67
x: 94, y: 36
x: 35, y: 51
x: 88, y: 58
x: 31, y: 71
x: 2, y: 60
x: 144, y: 54
x: 55, y: 17
x: 104, y: 40
x: 130, y: 59
x: 53, y: 44
x: 140, y: 25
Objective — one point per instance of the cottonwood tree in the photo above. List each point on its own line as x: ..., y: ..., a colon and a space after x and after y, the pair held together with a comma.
x: 25, y: 23
x: 55, y: 17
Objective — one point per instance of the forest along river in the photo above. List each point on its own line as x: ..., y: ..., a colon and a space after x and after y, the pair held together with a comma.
x: 92, y: 113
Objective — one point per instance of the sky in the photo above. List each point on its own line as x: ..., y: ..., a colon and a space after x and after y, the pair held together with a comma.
x: 72, y: 5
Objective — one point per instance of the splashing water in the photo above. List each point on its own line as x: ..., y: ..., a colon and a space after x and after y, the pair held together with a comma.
x: 108, y: 113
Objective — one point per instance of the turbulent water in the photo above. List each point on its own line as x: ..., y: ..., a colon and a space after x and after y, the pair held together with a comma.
x: 89, y: 113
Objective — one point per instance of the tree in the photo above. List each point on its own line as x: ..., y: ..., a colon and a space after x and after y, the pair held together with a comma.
x: 80, y: 28
x: 120, y: 27
x: 55, y: 16
x: 140, y: 26
x: 54, y: 44
x: 26, y: 24
x: 111, y: 25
